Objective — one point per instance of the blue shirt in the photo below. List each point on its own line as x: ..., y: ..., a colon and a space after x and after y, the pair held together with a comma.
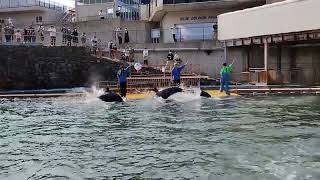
x: 123, y: 74
x: 175, y: 73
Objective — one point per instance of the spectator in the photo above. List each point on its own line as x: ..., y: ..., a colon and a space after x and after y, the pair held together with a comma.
x: 69, y: 37
x: 215, y: 31
x: 100, y: 13
x: 1, y: 32
x: 110, y: 48
x: 174, y: 32
x: 145, y: 55
x: 99, y: 49
x: 114, y: 51
x: 32, y: 34
x: 64, y: 31
x: 83, y: 38
x: 18, y: 36
x: 127, y: 54
x: 126, y: 36
x: 11, y: 32
x: 7, y: 33
x: 170, y: 57
x: 119, y: 35
x: 94, y: 42
x: 41, y: 32
x: 25, y: 35
x: 53, y: 35
x: 131, y: 52
x: 75, y: 37
x: 177, y: 58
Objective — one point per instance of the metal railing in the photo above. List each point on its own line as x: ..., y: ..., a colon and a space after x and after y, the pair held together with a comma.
x: 184, y: 35
x: 30, y: 3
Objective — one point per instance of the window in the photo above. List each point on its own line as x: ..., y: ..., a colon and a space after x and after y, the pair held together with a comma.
x: 39, y: 19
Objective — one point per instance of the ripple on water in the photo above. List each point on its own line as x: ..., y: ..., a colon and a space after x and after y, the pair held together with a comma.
x: 236, y: 138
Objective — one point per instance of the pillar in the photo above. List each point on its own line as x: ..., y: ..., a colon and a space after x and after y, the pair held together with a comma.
x: 266, y: 55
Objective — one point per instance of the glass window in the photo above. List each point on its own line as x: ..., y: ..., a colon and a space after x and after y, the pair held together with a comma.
x: 188, y: 32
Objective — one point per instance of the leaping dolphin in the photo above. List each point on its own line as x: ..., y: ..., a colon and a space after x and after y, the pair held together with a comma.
x: 166, y: 93
x: 110, y: 96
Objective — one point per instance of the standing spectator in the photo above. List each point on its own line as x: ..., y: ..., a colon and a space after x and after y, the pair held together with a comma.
x: 127, y: 54
x: 177, y: 58
x: 41, y: 32
x: 7, y: 33
x: 11, y: 32
x: 99, y: 49
x: 32, y: 34
x: 131, y: 52
x: 1, y: 31
x: 110, y: 48
x: 69, y: 37
x: 114, y: 51
x: 75, y: 37
x: 145, y: 55
x: 94, y: 42
x: 25, y: 35
x: 174, y: 32
x: 53, y: 35
x: 126, y: 36
x: 170, y: 57
x: 18, y: 36
x: 119, y: 35
x: 215, y: 31
x: 83, y: 38
x: 100, y: 13
x: 64, y: 35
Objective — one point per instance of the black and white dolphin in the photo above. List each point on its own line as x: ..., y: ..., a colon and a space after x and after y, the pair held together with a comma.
x: 166, y: 93
x: 110, y: 96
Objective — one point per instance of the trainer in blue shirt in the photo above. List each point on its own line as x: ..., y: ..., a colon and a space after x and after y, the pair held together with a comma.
x: 122, y: 78
x: 175, y: 73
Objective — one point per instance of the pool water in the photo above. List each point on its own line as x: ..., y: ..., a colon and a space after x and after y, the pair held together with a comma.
x: 184, y: 137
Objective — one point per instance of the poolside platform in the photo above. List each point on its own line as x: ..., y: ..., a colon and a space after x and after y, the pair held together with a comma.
x: 249, y: 90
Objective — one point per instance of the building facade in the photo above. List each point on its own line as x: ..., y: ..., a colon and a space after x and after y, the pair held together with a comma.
x: 191, y: 20
x: 279, y: 50
x: 29, y: 12
x: 103, y: 9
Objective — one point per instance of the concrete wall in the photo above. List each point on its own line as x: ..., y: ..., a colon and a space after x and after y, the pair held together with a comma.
x: 282, y: 17
x: 205, y: 62
x: 26, y: 18
x: 55, y: 67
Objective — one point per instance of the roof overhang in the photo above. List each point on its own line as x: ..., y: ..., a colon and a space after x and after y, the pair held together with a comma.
x: 291, y: 16
x: 230, y: 5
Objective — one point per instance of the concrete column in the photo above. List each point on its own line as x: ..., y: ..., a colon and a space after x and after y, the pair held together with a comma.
x: 265, y: 55
x: 76, y: 10
x: 225, y: 52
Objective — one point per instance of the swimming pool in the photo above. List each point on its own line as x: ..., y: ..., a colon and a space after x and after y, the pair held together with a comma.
x: 185, y: 137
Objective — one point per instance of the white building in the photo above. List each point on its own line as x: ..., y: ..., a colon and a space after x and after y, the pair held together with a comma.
x: 26, y: 12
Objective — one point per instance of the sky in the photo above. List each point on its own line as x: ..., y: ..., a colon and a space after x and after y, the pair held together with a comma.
x: 66, y: 2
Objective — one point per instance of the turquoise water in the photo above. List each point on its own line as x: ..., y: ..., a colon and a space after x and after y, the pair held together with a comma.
x: 185, y: 137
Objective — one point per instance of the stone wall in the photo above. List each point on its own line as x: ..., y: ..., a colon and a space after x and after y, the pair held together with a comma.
x: 23, y: 67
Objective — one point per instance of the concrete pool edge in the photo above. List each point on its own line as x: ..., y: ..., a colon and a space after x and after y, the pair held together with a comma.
x: 239, y: 91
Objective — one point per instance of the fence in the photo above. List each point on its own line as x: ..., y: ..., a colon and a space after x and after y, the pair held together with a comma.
x: 29, y: 3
